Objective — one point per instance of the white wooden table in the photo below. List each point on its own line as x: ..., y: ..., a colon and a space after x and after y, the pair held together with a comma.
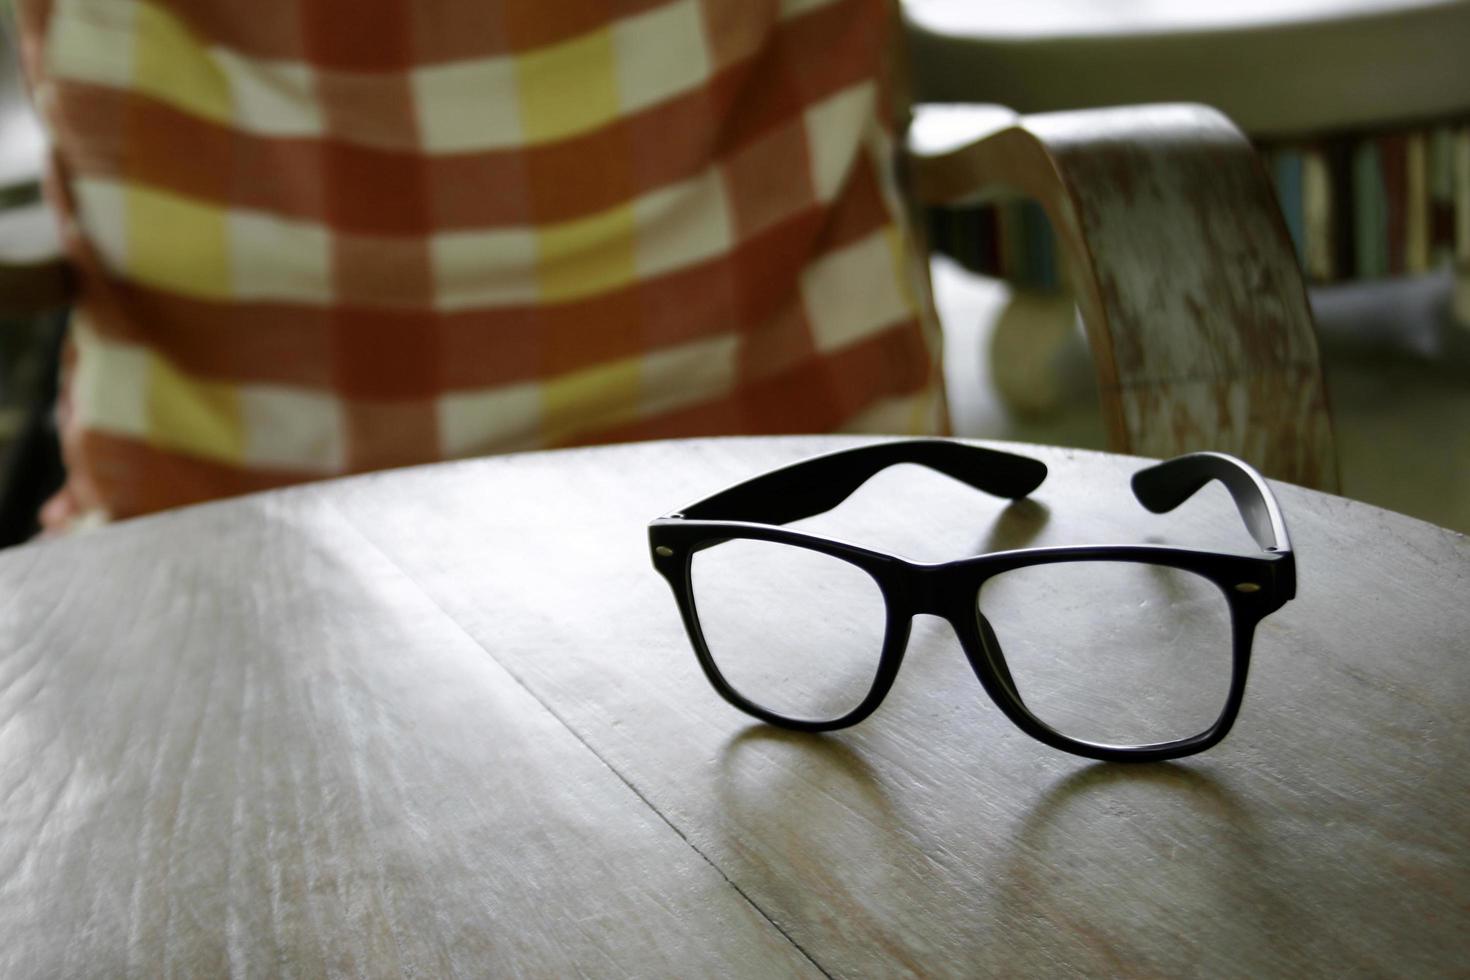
x: 445, y: 722
x: 1276, y: 67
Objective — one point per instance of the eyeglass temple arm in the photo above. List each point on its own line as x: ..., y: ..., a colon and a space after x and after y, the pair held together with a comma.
x: 821, y: 483
x: 1163, y: 487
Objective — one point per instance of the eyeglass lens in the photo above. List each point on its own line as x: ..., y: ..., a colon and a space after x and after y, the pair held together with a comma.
x: 1118, y: 653
x: 797, y: 632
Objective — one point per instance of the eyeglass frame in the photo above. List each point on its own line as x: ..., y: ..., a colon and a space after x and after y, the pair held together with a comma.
x: 1254, y: 585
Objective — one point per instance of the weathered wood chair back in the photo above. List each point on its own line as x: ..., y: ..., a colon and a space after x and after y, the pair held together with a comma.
x: 1193, y: 301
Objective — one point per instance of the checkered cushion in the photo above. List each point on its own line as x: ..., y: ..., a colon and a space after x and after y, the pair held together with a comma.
x: 326, y: 236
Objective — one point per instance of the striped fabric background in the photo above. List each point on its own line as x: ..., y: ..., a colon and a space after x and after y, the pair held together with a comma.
x: 326, y: 236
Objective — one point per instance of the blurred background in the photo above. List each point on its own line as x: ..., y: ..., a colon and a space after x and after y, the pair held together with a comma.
x: 1360, y: 110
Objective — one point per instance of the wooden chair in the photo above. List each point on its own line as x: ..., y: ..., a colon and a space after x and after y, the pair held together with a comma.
x: 1195, y: 309
x: 1184, y: 273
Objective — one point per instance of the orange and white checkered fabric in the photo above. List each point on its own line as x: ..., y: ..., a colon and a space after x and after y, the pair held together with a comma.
x: 326, y: 236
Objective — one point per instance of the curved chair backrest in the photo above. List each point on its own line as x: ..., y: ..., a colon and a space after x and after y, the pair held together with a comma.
x: 1193, y: 301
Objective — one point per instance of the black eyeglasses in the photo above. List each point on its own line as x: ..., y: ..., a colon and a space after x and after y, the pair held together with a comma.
x: 1116, y: 652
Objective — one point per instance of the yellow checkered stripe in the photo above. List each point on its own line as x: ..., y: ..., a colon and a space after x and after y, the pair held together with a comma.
x: 130, y: 390
x: 218, y: 251
x: 506, y: 101
x: 213, y: 251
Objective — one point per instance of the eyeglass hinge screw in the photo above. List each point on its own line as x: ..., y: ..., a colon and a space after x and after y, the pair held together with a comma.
x: 664, y: 551
x: 1247, y: 587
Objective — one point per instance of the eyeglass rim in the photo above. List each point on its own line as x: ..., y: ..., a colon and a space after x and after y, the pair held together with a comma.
x: 966, y: 577
x: 821, y: 482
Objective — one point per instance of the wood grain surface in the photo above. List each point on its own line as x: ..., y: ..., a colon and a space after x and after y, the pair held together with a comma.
x: 444, y: 721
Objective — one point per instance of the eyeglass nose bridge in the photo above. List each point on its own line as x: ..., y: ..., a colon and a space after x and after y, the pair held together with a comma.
x: 953, y: 594
x: 937, y: 590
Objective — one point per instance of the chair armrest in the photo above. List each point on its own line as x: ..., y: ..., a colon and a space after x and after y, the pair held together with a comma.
x: 34, y: 276
x: 1188, y: 285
